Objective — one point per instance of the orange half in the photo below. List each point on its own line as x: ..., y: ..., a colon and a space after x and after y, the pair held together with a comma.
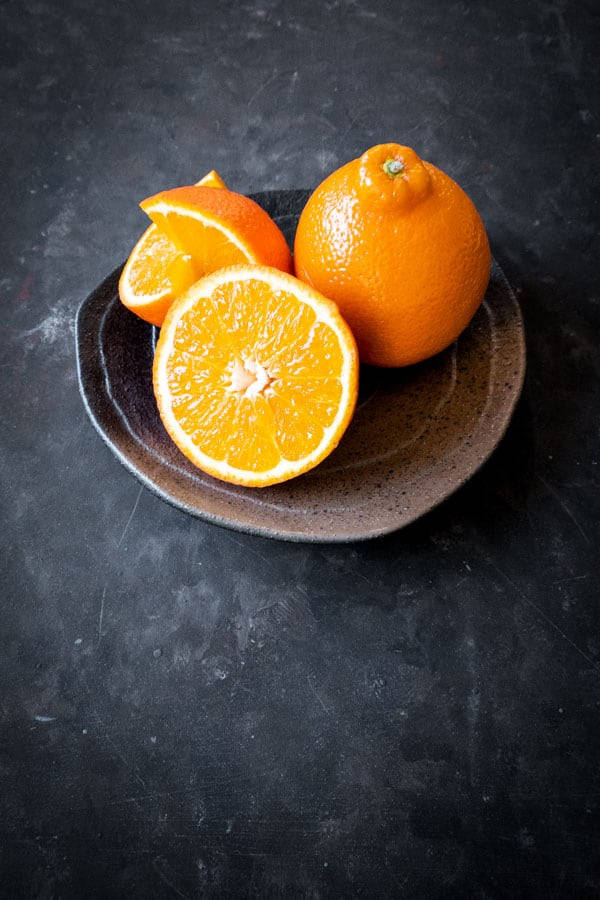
x: 255, y: 375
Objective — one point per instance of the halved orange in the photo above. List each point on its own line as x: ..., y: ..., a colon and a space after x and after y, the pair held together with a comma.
x: 255, y: 375
x: 218, y: 228
x: 157, y: 271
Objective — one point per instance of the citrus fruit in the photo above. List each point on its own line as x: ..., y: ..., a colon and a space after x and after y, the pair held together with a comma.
x: 157, y: 271
x: 218, y: 228
x: 255, y: 375
x: 401, y: 249
x: 211, y: 179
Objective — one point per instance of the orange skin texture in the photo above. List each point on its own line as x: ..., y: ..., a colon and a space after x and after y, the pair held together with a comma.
x: 405, y: 256
x: 242, y: 215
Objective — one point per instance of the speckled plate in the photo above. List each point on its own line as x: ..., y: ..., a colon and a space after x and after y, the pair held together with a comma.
x: 416, y: 436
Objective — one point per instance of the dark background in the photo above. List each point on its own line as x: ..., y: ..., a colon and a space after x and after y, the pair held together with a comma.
x: 189, y: 711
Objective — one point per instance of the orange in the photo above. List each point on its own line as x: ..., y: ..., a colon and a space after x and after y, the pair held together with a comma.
x: 401, y: 249
x: 157, y: 271
x: 218, y: 228
x: 211, y: 179
x: 255, y: 375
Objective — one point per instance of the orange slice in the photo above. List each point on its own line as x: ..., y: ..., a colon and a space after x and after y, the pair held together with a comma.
x: 157, y: 271
x: 218, y: 228
x: 255, y: 375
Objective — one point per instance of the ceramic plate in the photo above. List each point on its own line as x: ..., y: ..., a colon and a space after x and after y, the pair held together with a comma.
x: 416, y: 436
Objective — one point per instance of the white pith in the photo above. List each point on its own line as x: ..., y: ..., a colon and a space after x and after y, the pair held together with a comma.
x: 259, y: 372
x: 248, y: 378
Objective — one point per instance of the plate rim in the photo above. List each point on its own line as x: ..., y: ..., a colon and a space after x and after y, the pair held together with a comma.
x: 289, y: 535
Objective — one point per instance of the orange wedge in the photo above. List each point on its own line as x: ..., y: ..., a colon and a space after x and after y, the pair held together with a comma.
x: 218, y: 228
x: 157, y: 271
x: 211, y: 179
x: 255, y: 375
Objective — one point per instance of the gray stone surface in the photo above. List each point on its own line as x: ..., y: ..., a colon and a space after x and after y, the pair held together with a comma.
x: 188, y: 711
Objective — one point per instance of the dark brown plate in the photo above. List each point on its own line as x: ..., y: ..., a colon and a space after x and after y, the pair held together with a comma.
x: 417, y: 434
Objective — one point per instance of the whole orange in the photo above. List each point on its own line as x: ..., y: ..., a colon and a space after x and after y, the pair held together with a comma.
x: 400, y: 248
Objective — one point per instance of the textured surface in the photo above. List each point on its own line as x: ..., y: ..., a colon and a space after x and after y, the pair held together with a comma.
x: 417, y: 433
x: 189, y: 711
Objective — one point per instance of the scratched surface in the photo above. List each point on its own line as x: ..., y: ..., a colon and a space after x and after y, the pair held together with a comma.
x: 191, y: 712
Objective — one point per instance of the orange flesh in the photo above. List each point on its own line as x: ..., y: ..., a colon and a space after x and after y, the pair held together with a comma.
x: 162, y: 265
x: 253, y: 376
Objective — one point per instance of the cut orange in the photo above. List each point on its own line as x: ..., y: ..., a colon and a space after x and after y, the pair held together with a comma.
x: 218, y: 228
x: 157, y: 271
x: 255, y: 375
x: 211, y: 179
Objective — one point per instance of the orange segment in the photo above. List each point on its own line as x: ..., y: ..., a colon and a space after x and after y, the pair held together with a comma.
x: 218, y: 228
x: 212, y: 179
x: 157, y: 271
x: 255, y: 375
